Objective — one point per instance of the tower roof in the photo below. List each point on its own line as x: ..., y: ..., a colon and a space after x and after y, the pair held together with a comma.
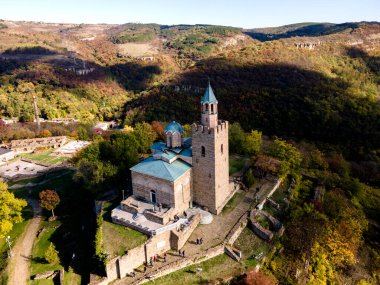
x: 209, y: 96
x: 174, y: 127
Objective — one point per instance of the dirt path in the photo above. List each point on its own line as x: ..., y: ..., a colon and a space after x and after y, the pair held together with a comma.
x: 18, y: 268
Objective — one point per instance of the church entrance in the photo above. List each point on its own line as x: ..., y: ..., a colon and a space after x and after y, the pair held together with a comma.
x: 153, y: 196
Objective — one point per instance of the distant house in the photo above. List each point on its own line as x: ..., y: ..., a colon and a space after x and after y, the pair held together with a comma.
x: 6, y: 155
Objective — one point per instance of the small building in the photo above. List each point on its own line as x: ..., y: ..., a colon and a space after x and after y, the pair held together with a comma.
x: 6, y: 155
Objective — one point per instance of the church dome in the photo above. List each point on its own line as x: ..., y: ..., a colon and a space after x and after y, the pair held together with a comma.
x: 174, y: 127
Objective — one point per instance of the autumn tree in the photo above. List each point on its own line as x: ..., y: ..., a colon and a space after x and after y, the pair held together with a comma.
x: 159, y: 129
x: 51, y: 254
x: 10, y: 209
x: 49, y: 200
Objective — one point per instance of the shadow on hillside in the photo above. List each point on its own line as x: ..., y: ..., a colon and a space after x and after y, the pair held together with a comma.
x: 372, y: 62
x: 66, y: 70
x: 279, y: 99
x: 312, y: 30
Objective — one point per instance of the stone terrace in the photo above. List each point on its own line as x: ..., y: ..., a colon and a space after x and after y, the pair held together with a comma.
x: 213, y: 235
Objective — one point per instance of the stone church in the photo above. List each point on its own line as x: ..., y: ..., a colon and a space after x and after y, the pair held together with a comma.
x: 181, y: 174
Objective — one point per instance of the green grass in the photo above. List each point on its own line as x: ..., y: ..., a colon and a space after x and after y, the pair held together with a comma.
x: 60, y: 181
x: 18, y: 229
x: 250, y: 245
x: 44, y: 157
x: 117, y: 239
x: 215, y: 268
x: 236, y: 164
x: 233, y: 202
x: 71, y: 278
x: 38, y: 265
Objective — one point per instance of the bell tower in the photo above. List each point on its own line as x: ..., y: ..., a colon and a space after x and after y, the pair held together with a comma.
x: 209, y: 107
x: 210, y: 156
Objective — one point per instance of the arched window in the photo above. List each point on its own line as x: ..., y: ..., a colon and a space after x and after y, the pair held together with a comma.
x: 212, y: 108
x: 221, y: 148
x: 203, y: 151
x: 206, y: 106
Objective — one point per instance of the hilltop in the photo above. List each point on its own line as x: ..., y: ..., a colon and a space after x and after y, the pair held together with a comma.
x: 304, y: 83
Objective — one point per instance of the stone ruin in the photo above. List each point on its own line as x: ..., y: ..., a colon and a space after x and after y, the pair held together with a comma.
x: 264, y: 233
x: 307, y: 45
x: 30, y: 145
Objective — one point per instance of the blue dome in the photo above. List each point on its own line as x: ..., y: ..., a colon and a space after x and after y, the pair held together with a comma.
x: 174, y: 127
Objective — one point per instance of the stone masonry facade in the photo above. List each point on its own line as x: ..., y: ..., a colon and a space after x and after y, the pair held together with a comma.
x: 210, y: 166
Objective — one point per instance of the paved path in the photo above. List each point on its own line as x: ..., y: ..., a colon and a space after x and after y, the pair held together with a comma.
x: 18, y: 268
x: 212, y: 234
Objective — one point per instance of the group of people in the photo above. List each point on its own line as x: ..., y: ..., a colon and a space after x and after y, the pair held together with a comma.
x: 181, y: 253
x: 199, y: 241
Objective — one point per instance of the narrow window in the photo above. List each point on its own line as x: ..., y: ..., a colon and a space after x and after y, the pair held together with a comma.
x: 221, y: 148
x: 206, y: 107
x: 203, y: 151
x: 153, y: 196
x: 212, y: 108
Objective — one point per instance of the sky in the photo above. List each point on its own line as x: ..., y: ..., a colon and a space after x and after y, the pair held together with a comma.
x: 237, y: 13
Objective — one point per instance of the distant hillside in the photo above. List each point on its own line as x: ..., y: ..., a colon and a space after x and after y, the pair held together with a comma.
x: 314, y: 87
x: 301, y: 30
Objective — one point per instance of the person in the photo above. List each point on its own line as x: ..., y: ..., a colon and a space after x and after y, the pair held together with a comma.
x: 183, y: 253
x: 154, y: 258
x: 144, y: 269
x: 185, y: 214
x: 179, y: 252
x: 197, y: 240
x: 165, y: 257
x: 201, y: 241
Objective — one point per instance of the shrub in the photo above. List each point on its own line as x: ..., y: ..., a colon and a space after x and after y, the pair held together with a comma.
x: 51, y: 255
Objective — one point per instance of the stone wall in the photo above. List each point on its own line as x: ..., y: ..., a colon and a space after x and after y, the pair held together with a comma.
x: 182, y: 263
x: 176, y: 195
x: 120, y: 266
x: 29, y: 145
x: 210, y: 171
x: 178, y: 239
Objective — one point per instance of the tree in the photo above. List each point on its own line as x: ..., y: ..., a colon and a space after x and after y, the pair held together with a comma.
x: 249, y: 178
x: 94, y: 174
x: 252, y: 143
x: 51, y: 254
x: 145, y: 136
x: 236, y: 138
x: 159, y: 129
x: 10, y: 209
x: 49, y: 200
x: 289, y: 155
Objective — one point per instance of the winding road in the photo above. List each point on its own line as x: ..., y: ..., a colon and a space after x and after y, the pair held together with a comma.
x: 18, y: 267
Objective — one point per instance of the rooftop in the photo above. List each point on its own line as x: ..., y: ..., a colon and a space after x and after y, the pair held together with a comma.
x: 174, y: 127
x: 209, y: 96
x: 161, y: 169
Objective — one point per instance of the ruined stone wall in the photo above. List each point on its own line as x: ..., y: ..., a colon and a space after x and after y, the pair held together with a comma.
x: 29, y: 145
x: 210, y: 172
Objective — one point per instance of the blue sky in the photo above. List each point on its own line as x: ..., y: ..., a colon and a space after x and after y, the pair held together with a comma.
x: 238, y: 13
